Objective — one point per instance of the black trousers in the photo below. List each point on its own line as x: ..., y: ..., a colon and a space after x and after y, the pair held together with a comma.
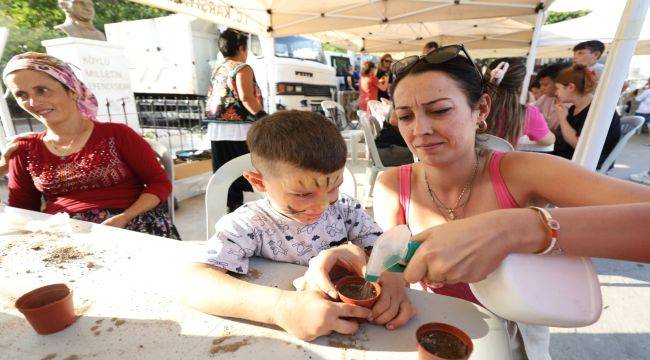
x: 222, y: 152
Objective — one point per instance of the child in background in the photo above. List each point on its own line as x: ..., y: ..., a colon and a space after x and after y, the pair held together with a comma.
x: 508, y: 119
x: 299, y: 158
x: 588, y: 53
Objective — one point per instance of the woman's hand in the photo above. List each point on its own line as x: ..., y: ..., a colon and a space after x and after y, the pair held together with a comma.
x: 119, y: 221
x: 468, y: 250
x: 10, y: 149
x: 560, y: 110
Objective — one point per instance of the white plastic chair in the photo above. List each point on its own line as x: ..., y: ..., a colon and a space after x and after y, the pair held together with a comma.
x: 165, y: 158
x: 216, y: 193
x: 336, y: 114
x: 378, y: 110
x: 376, y: 166
x: 629, y: 126
x: 492, y: 142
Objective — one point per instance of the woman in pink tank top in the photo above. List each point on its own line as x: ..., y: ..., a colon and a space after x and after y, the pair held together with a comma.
x: 464, y: 200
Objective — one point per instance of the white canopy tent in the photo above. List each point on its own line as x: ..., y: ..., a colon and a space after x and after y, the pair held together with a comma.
x: 557, y: 40
x: 292, y: 17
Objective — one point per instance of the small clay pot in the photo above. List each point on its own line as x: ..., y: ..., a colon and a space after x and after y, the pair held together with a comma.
x: 48, y: 309
x: 356, y: 280
x: 448, y: 330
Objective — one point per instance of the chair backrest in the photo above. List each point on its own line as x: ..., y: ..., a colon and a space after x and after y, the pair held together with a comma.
x: 216, y: 193
x: 492, y: 142
x: 335, y: 113
x: 165, y: 158
x: 379, y: 110
x: 629, y: 125
x: 369, y: 134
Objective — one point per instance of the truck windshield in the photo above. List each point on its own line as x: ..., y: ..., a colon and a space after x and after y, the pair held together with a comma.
x: 299, y: 48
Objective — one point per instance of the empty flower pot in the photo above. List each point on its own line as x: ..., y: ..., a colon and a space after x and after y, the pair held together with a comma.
x: 351, y: 291
x: 442, y: 341
x: 48, y: 309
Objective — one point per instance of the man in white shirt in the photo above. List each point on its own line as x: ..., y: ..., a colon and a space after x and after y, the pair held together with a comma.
x: 588, y: 53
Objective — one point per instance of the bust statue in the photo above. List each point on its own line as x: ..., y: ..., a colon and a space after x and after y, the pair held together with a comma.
x: 79, y: 15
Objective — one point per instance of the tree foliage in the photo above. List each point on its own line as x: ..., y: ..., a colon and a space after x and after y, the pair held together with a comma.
x: 557, y: 16
x: 32, y: 21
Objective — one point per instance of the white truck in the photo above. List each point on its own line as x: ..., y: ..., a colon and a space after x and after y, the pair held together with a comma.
x: 173, y: 56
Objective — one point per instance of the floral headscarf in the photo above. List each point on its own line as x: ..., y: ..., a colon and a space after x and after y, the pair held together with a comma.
x: 59, y: 70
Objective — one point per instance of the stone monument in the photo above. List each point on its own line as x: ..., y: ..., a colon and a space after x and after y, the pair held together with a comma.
x: 79, y: 15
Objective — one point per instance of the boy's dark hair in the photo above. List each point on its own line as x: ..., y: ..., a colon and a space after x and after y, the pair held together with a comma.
x: 303, y: 139
x: 552, y: 71
x: 230, y: 40
x: 591, y: 45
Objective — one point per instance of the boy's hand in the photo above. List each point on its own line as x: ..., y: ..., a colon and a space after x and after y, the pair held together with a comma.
x: 349, y: 256
x: 308, y: 315
x: 393, y: 307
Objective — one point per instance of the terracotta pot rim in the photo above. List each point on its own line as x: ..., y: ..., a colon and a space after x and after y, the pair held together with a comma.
x: 450, y: 329
x: 20, y: 302
x: 352, y: 279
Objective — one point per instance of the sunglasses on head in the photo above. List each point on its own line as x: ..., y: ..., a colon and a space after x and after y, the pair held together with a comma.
x: 435, y: 56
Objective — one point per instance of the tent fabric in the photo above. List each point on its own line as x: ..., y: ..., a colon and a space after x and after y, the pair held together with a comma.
x: 293, y: 17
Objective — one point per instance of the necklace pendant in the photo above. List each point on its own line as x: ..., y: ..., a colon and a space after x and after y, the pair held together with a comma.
x: 452, y: 214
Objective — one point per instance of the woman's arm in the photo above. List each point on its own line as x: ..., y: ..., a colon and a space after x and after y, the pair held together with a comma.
x: 143, y: 204
x: 22, y: 191
x: 547, y: 140
x: 468, y: 250
x: 142, y: 160
x: 383, y: 84
x: 246, y: 90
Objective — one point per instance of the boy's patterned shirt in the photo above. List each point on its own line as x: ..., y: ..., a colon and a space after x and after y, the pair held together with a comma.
x: 257, y: 229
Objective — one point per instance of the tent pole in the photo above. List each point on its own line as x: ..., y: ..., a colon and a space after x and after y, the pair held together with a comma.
x: 532, y: 54
x: 7, y: 125
x: 603, y: 105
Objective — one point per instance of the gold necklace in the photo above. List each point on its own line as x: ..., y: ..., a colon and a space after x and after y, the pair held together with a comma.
x: 450, y: 213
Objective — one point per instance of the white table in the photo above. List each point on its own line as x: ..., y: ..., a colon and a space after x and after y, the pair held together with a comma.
x: 130, y: 311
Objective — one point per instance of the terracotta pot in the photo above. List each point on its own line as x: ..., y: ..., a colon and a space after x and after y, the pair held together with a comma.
x: 367, y: 303
x: 424, y: 354
x: 48, y: 309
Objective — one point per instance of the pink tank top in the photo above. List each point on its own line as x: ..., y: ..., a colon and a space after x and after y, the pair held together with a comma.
x: 504, y: 197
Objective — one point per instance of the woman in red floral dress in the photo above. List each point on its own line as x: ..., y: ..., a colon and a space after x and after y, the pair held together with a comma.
x: 99, y: 172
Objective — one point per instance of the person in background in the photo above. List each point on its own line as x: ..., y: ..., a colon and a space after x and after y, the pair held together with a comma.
x: 546, y: 103
x: 349, y: 81
x: 575, y: 86
x: 391, y: 146
x: 643, y: 98
x: 431, y: 45
x: 234, y: 102
x: 508, y: 119
x: 369, y: 85
x: 536, y: 90
x: 588, y: 53
x: 94, y: 171
x: 383, y: 72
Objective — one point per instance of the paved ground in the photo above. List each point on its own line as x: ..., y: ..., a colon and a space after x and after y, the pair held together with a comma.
x: 622, y: 333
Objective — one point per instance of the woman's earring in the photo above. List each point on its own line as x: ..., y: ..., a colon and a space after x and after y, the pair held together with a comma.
x: 482, y: 126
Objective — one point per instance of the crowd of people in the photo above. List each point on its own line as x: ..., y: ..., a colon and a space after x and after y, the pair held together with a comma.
x: 470, y: 206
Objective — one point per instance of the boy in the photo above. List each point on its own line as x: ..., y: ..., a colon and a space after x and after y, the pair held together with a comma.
x: 546, y: 102
x: 299, y: 158
x: 588, y: 53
